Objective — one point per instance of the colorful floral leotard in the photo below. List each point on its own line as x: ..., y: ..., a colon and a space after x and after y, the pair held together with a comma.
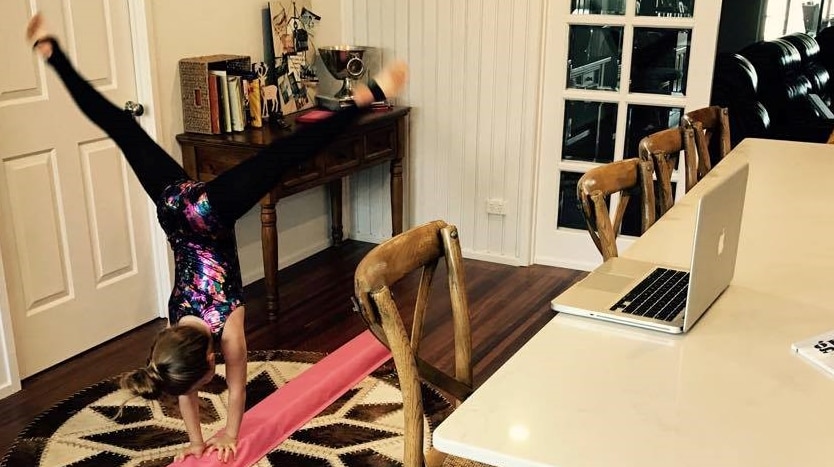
x: 207, y: 281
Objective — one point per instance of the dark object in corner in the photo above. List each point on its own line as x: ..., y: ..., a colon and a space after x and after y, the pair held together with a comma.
x: 778, y: 89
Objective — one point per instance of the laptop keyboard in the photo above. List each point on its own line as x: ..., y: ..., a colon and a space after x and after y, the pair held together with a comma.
x: 661, y: 295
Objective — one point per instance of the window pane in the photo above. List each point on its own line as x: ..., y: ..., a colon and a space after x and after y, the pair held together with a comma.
x: 660, y: 60
x: 670, y: 8
x: 827, y: 15
x: 594, y: 57
x: 643, y: 120
x: 789, y: 16
x: 570, y: 215
x: 597, y: 7
x: 589, y: 131
x: 632, y: 218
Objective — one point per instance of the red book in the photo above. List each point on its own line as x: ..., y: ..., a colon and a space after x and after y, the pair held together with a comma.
x: 214, y: 105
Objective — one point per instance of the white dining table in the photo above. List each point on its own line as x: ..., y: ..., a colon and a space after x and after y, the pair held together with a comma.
x: 730, y: 392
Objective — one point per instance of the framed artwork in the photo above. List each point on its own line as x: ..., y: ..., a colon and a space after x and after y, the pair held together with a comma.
x: 293, y: 37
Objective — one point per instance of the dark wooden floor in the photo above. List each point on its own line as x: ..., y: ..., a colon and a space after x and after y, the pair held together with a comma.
x: 507, y: 304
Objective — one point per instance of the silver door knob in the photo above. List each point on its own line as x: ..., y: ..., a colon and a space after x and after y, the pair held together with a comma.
x: 134, y: 108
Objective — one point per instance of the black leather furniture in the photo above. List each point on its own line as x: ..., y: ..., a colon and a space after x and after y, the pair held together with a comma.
x: 779, y: 89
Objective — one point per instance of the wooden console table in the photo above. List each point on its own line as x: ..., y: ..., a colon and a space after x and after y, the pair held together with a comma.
x: 377, y: 138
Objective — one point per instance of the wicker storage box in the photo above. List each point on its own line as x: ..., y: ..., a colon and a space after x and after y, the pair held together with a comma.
x: 194, y: 85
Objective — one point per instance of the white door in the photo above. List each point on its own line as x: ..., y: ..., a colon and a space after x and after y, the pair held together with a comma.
x: 614, y: 72
x: 74, y: 227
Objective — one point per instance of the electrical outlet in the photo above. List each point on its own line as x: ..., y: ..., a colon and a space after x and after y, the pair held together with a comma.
x: 496, y: 206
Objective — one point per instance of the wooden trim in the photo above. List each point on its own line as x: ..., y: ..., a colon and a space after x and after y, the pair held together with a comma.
x: 141, y: 18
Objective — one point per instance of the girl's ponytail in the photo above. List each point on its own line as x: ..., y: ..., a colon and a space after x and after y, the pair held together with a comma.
x: 144, y: 382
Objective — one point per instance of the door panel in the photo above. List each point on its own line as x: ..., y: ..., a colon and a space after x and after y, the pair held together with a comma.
x: 39, y: 238
x: 74, y: 227
x: 108, y: 211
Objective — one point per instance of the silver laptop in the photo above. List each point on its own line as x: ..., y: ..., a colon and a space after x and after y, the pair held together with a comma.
x: 667, y: 299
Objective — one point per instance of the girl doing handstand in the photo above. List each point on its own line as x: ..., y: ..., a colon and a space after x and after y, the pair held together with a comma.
x: 206, y: 304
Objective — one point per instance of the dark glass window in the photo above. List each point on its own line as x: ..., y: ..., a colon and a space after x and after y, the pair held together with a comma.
x: 570, y: 214
x: 660, y: 60
x: 597, y: 7
x: 589, y: 131
x: 632, y: 218
x: 668, y: 8
x: 594, y: 57
x: 789, y: 16
x: 643, y: 120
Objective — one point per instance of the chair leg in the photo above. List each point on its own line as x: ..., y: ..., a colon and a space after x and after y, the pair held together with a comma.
x: 408, y: 376
x: 460, y: 305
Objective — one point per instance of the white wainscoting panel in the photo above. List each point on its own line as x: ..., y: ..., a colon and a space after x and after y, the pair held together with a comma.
x: 474, y: 91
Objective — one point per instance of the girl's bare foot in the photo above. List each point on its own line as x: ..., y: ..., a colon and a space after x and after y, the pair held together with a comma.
x: 35, y: 31
x: 391, y: 80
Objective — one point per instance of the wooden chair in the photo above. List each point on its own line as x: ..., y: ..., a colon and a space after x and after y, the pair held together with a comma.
x: 627, y: 177
x: 711, y: 126
x: 418, y: 248
x: 663, y: 149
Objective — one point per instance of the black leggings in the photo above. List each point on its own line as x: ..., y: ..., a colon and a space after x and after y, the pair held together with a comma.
x: 233, y: 192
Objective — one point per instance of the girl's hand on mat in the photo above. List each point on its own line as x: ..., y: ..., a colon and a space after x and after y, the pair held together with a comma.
x: 225, y: 445
x: 195, y: 450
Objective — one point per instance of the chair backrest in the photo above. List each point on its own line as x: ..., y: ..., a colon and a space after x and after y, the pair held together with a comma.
x: 627, y: 177
x: 662, y: 149
x: 711, y: 127
x: 419, y: 248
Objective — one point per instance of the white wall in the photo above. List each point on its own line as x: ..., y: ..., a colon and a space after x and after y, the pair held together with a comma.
x: 185, y: 28
x: 474, y: 91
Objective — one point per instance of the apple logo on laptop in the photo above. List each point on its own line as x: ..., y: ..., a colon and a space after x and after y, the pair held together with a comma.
x: 721, y: 242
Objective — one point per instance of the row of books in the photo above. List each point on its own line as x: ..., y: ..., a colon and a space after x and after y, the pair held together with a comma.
x: 220, y: 94
x: 231, y: 99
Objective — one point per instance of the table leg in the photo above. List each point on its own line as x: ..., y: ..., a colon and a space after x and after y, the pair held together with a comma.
x: 269, y: 242
x: 397, y: 178
x: 396, y: 196
x: 336, y: 228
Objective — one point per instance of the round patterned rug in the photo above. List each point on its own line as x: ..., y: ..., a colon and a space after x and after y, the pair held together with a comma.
x: 363, y: 428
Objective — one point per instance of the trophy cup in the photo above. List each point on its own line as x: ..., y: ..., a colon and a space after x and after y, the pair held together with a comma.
x: 344, y: 62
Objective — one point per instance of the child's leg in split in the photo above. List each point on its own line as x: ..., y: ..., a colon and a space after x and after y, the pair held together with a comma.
x: 235, y: 191
x: 155, y: 169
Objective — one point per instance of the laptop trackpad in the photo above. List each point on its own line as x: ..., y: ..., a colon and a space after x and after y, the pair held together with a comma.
x: 607, y: 282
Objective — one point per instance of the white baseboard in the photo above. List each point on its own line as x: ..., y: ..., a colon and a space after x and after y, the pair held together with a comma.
x: 368, y: 238
x: 560, y: 263
x: 489, y: 257
x: 492, y: 258
x: 257, y: 273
